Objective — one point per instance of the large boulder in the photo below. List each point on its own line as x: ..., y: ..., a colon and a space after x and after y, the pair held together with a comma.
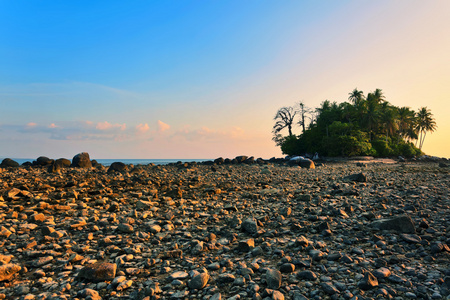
x: 117, y: 167
x: 9, y: 163
x: 402, y: 224
x: 59, y: 164
x: 82, y: 160
x: 241, y: 159
x: 43, y: 161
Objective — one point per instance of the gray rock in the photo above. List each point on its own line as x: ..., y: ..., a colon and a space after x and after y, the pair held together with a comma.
x: 117, y: 167
x: 402, y: 224
x: 273, y: 279
x: 307, y: 274
x: 250, y: 226
x: 358, y: 177
x: 199, y: 281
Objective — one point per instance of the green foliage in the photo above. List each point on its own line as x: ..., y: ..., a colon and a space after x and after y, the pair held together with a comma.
x: 364, y: 126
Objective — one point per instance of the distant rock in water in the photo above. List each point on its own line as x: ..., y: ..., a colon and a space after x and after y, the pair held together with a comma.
x: 43, y: 161
x: 81, y: 160
x: 9, y: 163
x: 117, y: 167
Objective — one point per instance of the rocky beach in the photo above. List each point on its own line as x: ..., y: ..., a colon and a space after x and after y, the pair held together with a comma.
x: 229, y: 229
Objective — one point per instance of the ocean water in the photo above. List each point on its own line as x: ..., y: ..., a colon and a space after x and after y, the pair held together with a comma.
x: 108, y: 162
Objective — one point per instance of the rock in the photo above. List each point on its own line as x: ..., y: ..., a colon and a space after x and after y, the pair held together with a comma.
x: 287, y: 268
x: 382, y: 273
x: 9, y: 163
x: 241, y: 159
x: 246, y: 245
x: 250, y: 226
x: 81, y: 160
x: 368, y: 282
x: 179, y: 275
x: 359, y: 177
x: 307, y: 274
x: 199, y: 281
x: 43, y: 161
x: 117, y: 167
x: 329, y: 288
x: 89, y: 294
x: 58, y: 165
x: 273, y: 279
x: 7, y: 271
x: 306, y: 163
x: 101, y: 271
x: 402, y: 224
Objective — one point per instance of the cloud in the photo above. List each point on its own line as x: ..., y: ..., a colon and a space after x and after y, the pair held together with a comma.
x: 142, y: 128
x: 31, y: 125
x: 108, y: 126
x: 53, y: 125
x: 163, y: 126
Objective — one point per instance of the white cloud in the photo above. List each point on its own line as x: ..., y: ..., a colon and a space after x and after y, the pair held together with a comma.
x: 163, y: 126
x: 142, y: 128
x: 108, y: 126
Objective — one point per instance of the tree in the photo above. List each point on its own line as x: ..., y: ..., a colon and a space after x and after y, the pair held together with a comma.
x: 284, y: 118
x: 356, y: 97
x: 425, y: 123
x: 407, y: 123
x: 303, y: 110
x: 389, y: 119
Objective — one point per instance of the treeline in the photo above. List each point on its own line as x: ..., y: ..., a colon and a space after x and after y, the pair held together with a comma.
x: 365, y: 125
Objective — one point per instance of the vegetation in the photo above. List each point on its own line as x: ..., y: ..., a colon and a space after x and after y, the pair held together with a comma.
x: 365, y: 125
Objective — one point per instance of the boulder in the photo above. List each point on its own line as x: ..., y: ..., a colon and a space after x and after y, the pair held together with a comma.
x: 402, y: 224
x: 117, y: 167
x: 7, y: 271
x: 219, y: 161
x: 81, y: 160
x: 58, y: 164
x: 240, y: 159
x: 306, y: 163
x: 98, y: 272
x: 358, y: 177
x: 43, y: 161
x: 9, y: 163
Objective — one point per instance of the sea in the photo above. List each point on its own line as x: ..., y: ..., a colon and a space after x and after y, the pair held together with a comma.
x: 108, y: 162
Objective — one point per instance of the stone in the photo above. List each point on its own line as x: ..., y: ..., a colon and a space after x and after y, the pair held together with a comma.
x: 402, y: 224
x: 307, y: 274
x: 9, y: 163
x: 96, y: 272
x: 117, y: 167
x: 81, y: 160
x: 7, y: 271
x: 287, y: 268
x: 89, y: 294
x: 273, y: 279
x: 358, y: 177
x: 368, y: 282
x: 250, y: 225
x: 306, y: 163
x: 199, y: 281
x: 43, y: 161
x: 246, y: 245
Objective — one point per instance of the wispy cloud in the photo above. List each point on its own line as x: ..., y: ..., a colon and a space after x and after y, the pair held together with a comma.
x: 207, y: 134
x: 108, y: 126
x: 142, y: 128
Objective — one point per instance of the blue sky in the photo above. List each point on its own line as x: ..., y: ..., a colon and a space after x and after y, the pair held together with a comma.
x: 201, y: 79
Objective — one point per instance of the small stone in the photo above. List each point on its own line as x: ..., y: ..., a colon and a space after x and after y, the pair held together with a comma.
x: 368, y: 282
x: 287, y: 268
x: 250, y: 226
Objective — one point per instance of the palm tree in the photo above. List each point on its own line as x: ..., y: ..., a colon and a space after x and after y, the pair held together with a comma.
x: 407, y: 123
x: 356, y: 97
x: 389, y: 119
x: 378, y: 96
x: 285, y: 118
x: 425, y: 123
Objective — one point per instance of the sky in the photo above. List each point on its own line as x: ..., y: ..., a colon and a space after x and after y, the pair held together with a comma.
x: 204, y: 79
